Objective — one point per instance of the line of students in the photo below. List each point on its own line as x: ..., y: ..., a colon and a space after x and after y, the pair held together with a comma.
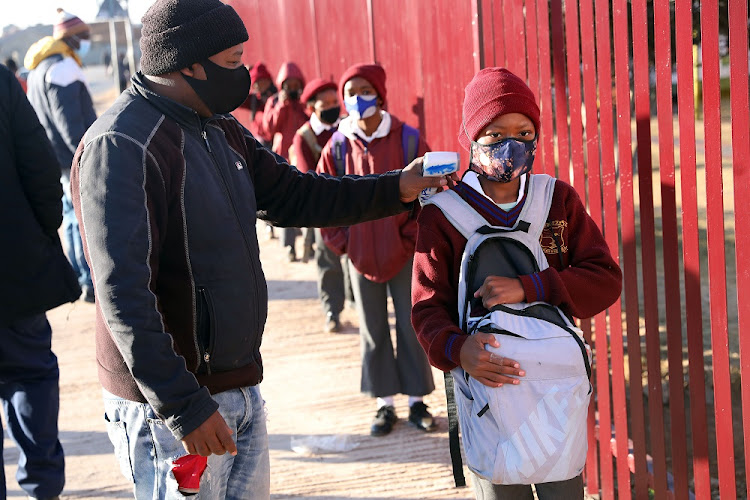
x: 373, y: 258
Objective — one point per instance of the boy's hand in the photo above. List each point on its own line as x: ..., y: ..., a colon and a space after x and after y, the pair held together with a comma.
x: 411, y: 182
x: 488, y: 368
x: 212, y: 437
x: 497, y: 290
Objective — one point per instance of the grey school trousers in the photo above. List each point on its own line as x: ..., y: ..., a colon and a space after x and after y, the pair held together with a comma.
x: 572, y: 489
x: 334, y: 286
x: 385, y: 373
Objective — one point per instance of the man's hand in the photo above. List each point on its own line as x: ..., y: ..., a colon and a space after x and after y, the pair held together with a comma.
x: 497, y: 290
x: 487, y: 367
x: 212, y: 437
x: 412, y: 183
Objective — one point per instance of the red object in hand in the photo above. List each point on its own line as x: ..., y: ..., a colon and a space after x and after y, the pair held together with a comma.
x: 187, y: 471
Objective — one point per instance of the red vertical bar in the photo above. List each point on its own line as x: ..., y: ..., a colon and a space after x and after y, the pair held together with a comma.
x: 545, y: 99
x: 561, y: 98
x: 476, y: 33
x: 663, y: 61
x: 716, y: 251
x: 609, y: 192
x: 574, y: 87
x: 532, y: 49
x: 371, y: 31
x: 741, y: 169
x: 488, y: 33
x: 595, y: 209
x: 501, y: 29
x: 648, y: 244
x: 315, y: 41
x: 517, y: 57
x: 691, y: 248
x: 630, y: 272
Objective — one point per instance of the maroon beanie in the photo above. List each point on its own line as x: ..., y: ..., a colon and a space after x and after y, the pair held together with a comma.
x: 314, y: 87
x: 491, y: 93
x: 373, y: 73
x: 259, y: 72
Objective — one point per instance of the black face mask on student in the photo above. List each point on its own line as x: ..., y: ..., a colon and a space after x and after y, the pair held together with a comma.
x: 330, y: 115
x: 293, y: 94
x: 224, y: 89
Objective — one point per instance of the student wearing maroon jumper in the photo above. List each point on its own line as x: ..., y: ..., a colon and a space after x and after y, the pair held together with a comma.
x: 322, y: 103
x: 380, y: 254
x: 261, y: 89
x: 284, y: 114
x: 500, y: 111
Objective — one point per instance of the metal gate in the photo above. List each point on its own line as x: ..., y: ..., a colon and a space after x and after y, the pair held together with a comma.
x: 645, y: 112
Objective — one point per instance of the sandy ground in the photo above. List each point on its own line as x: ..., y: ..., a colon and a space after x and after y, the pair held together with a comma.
x: 311, y: 388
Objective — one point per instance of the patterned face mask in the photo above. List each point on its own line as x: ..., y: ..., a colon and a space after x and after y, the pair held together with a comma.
x: 504, y: 160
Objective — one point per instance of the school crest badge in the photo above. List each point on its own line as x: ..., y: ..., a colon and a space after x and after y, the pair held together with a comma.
x: 553, y: 237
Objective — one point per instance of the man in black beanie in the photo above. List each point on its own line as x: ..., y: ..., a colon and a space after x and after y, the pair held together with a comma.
x: 167, y: 187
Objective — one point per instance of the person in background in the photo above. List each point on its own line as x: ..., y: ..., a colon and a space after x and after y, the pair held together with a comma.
x: 10, y: 63
x: 36, y: 277
x: 261, y: 89
x: 321, y: 98
x: 283, y: 116
x: 57, y: 90
x: 372, y: 141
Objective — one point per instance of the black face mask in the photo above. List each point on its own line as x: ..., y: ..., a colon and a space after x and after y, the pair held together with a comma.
x: 330, y: 115
x: 293, y: 94
x: 224, y: 89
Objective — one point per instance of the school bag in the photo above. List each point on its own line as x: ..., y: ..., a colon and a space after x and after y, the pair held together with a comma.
x: 534, y: 432
x: 307, y: 134
x: 409, y: 144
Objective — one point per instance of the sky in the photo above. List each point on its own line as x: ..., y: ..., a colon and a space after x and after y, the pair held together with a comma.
x: 25, y: 13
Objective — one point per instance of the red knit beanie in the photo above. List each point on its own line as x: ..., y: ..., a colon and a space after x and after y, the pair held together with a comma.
x: 491, y: 93
x: 314, y: 87
x: 373, y: 73
x: 259, y: 72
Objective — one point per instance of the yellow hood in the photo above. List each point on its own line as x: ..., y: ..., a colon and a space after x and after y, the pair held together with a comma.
x: 46, y: 47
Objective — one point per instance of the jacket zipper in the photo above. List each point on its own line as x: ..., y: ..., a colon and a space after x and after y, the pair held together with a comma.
x: 228, y: 194
x: 206, y: 343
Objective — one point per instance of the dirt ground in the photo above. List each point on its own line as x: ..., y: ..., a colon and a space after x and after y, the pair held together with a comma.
x: 311, y: 388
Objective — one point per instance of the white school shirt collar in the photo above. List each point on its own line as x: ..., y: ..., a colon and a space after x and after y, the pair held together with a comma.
x: 472, y: 180
x: 351, y: 130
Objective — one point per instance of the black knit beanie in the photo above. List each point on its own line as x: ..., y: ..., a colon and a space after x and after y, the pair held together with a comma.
x: 178, y: 33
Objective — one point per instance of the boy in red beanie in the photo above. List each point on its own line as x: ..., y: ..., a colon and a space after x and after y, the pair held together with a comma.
x: 500, y: 129
x: 372, y: 141
x: 284, y: 114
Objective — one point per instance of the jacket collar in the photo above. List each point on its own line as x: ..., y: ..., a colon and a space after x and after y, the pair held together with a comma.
x: 183, y: 115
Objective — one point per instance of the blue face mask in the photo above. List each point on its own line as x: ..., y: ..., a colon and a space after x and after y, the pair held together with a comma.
x: 83, y: 48
x: 361, y: 106
x: 504, y: 160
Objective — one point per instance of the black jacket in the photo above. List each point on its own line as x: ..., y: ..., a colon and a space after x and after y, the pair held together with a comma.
x: 168, y: 204
x: 35, y: 276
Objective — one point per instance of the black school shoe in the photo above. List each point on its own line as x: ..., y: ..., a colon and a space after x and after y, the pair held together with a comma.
x: 420, y: 417
x: 384, y: 420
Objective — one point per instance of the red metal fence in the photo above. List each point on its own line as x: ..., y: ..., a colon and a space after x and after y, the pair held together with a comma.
x: 619, y: 85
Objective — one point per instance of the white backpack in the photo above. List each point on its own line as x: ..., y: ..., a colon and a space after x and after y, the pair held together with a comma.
x: 534, y: 432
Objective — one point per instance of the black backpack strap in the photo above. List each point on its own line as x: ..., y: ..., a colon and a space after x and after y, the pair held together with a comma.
x: 453, y: 441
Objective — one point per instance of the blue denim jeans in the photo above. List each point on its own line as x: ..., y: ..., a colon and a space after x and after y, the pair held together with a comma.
x: 145, y: 449
x: 30, y: 395
x: 72, y: 239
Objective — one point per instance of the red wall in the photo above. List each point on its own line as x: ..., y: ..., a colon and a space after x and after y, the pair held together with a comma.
x: 425, y: 48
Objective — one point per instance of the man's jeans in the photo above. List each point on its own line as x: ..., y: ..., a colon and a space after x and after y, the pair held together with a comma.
x: 30, y: 394
x: 145, y: 449
x: 72, y: 239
